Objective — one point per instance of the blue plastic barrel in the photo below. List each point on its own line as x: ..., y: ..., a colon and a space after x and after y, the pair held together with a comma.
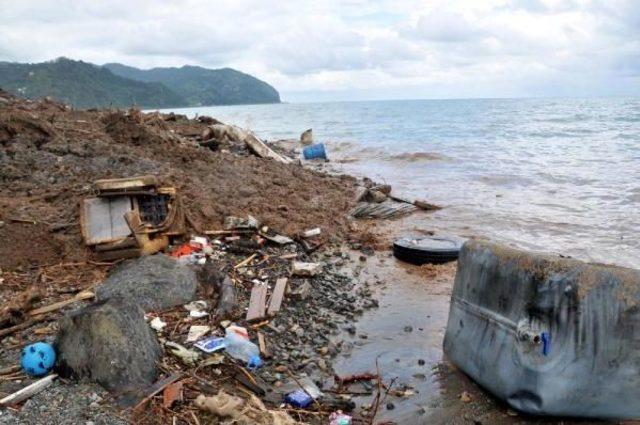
x: 314, y: 152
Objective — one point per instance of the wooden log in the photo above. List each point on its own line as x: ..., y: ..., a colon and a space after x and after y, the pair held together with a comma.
x: 276, y: 297
x: 257, y: 303
x: 28, y: 391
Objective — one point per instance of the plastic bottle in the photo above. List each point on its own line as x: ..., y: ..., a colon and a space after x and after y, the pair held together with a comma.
x: 239, y: 347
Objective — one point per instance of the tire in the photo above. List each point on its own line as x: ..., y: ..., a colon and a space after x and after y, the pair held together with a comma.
x: 432, y: 249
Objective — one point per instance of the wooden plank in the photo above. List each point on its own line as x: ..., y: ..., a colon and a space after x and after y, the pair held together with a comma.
x: 257, y: 303
x: 276, y: 297
x: 128, y: 183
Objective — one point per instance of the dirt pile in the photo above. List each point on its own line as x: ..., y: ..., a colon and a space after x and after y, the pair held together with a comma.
x: 50, y: 153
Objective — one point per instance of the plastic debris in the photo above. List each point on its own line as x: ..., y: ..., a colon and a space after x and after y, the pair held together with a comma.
x: 196, y: 309
x: 157, y: 324
x: 339, y: 418
x: 239, y: 347
x: 188, y: 357
x: 298, y: 398
x: 196, y: 332
x: 211, y: 344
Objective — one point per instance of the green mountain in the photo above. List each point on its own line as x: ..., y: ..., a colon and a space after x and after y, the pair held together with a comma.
x: 202, y: 86
x: 83, y: 85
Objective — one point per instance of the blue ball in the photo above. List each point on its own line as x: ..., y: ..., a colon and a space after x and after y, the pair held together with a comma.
x: 38, y: 358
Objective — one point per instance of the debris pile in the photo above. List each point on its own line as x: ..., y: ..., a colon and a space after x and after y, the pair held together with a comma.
x: 188, y: 280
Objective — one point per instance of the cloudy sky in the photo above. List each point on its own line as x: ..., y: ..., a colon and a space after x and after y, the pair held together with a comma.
x: 353, y: 49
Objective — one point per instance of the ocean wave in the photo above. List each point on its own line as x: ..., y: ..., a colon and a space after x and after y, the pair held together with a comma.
x: 416, y: 156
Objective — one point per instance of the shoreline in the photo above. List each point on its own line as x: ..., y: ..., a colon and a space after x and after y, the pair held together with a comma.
x: 359, y: 309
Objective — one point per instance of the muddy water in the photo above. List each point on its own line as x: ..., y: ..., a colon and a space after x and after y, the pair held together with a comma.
x: 404, y: 334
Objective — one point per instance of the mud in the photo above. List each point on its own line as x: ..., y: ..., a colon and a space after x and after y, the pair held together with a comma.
x: 50, y: 154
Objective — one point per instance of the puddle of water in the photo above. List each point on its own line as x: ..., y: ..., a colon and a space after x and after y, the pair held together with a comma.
x: 404, y: 334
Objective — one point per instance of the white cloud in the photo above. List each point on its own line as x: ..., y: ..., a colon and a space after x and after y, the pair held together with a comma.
x: 354, y: 48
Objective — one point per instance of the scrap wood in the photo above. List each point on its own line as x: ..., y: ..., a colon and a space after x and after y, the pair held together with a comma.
x: 157, y: 387
x: 245, y: 261
x: 257, y: 302
x: 276, y: 297
x: 262, y: 343
x: 28, y: 391
x: 84, y: 295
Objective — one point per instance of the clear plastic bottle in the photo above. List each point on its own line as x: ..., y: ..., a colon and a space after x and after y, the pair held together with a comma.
x: 241, y: 348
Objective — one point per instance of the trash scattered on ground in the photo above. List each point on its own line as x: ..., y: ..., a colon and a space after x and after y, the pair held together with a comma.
x: 213, y: 224
x: 38, y: 358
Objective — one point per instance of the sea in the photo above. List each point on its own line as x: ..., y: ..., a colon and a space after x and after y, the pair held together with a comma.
x: 555, y: 175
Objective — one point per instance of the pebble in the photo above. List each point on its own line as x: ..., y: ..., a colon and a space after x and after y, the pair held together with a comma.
x: 390, y: 406
x: 408, y: 328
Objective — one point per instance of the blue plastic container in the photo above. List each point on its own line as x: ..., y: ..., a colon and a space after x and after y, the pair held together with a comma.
x: 314, y: 152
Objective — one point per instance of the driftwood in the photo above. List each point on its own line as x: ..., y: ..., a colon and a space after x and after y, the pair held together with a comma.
x: 28, y: 391
x: 84, y: 295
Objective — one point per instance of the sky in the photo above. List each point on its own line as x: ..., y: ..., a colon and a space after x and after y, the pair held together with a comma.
x: 353, y: 49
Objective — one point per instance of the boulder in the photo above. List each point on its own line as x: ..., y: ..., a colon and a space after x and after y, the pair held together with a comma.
x: 155, y: 282
x: 109, y: 342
